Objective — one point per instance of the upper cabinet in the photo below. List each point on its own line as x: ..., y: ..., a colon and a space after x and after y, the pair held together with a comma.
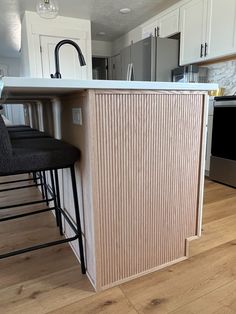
x: 164, y: 25
x: 169, y: 24
x: 208, y: 30
x: 150, y: 29
x: 192, y: 27
x: 221, y: 28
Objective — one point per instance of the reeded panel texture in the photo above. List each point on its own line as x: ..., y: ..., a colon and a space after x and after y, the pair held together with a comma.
x: 148, y: 164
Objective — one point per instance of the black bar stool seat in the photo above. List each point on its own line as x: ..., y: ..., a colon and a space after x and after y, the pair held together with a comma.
x: 28, y: 135
x: 36, y: 155
x: 20, y: 129
x: 22, y: 156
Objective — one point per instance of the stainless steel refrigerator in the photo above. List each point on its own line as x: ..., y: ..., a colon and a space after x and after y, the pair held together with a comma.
x: 150, y: 59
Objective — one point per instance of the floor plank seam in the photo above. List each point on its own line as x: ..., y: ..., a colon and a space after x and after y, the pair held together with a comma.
x: 200, y: 297
x: 130, y: 302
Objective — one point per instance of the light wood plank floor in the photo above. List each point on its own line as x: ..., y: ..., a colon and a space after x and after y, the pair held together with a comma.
x: 49, y: 281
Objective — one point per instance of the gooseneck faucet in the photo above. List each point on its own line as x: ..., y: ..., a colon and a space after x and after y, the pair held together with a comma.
x: 56, y: 53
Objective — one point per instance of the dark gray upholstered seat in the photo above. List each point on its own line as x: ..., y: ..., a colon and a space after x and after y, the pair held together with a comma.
x: 20, y: 129
x: 22, y: 156
x: 19, y: 156
x: 18, y: 126
x: 28, y: 135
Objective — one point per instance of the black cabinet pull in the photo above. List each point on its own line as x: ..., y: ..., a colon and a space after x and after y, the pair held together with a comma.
x: 206, y: 46
x: 201, y: 51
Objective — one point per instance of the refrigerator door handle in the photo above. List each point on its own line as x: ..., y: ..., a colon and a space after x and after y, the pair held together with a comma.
x: 128, y: 73
x: 131, y: 72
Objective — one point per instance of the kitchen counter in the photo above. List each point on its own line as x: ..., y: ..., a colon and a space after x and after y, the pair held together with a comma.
x: 141, y: 175
x: 17, y: 87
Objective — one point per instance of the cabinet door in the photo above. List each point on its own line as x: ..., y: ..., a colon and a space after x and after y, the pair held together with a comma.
x: 193, y: 27
x: 69, y: 63
x: 150, y: 29
x: 221, y: 28
x: 169, y: 24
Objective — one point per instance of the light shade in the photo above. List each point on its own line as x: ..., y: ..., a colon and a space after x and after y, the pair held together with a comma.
x: 47, y: 9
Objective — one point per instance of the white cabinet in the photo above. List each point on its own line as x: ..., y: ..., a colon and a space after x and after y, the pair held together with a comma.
x: 221, y: 29
x: 164, y: 25
x: 208, y: 30
x: 192, y: 27
x: 150, y: 29
x: 169, y: 24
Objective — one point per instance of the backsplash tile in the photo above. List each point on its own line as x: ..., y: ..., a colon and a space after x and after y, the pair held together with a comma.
x: 223, y: 73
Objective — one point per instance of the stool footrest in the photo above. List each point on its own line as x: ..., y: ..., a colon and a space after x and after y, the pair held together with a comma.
x: 22, y: 180
x: 27, y: 214
x: 26, y: 204
x: 20, y: 187
x: 37, y: 247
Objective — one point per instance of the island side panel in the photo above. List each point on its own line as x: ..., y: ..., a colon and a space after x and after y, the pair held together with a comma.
x: 147, y: 172
x: 80, y: 136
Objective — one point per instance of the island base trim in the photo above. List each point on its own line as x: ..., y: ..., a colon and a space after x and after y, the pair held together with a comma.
x: 149, y: 271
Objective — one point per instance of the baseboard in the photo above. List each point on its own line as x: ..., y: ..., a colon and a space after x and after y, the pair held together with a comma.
x: 119, y: 282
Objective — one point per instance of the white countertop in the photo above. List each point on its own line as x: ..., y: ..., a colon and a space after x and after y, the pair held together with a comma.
x: 28, y: 88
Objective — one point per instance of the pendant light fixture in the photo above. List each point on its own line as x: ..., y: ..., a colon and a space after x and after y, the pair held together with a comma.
x: 47, y: 9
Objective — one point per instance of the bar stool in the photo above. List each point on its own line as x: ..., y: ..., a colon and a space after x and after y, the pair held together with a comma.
x: 45, y: 154
x: 28, y: 135
x: 26, y: 132
x: 20, y: 129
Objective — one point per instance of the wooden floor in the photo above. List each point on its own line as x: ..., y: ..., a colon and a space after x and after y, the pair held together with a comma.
x: 49, y: 281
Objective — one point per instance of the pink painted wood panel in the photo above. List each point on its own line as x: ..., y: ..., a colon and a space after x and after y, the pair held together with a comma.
x: 146, y: 167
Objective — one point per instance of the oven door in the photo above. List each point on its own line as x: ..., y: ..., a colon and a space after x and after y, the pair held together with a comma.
x: 223, y: 149
x: 224, y: 130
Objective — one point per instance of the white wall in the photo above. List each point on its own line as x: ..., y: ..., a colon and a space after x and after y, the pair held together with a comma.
x: 12, y: 65
x: 101, y: 48
x: 33, y: 26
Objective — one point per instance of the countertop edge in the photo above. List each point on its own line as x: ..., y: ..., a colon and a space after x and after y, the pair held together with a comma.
x: 13, y: 83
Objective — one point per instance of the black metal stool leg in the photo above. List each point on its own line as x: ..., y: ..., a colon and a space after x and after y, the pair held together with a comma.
x: 55, y: 199
x: 41, y: 184
x: 34, y: 177
x: 78, y: 222
x: 45, y: 188
x: 58, y: 200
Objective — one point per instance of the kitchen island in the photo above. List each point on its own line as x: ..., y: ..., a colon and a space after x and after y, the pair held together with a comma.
x: 141, y: 175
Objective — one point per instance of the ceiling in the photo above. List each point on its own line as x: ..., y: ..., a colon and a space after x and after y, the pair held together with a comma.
x: 104, y: 15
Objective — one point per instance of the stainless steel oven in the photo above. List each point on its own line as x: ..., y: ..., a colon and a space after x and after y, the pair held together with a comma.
x: 223, y: 149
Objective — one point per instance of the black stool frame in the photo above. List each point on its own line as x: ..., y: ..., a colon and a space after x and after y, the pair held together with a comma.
x: 44, y: 190
x: 55, y: 197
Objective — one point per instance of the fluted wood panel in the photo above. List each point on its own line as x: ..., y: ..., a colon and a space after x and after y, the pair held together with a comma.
x: 147, y: 149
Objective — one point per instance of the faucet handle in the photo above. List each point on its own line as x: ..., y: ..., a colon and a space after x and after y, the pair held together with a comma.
x: 52, y: 76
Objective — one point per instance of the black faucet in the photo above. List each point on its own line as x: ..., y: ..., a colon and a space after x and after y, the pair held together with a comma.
x: 56, y: 52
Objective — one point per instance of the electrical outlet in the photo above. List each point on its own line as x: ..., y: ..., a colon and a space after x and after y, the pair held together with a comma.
x: 77, y: 116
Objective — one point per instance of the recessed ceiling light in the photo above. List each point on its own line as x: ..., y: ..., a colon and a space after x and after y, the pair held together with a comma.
x: 125, y: 10
x: 101, y: 33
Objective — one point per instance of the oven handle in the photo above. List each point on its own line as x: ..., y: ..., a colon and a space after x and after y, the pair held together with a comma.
x: 225, y: 104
